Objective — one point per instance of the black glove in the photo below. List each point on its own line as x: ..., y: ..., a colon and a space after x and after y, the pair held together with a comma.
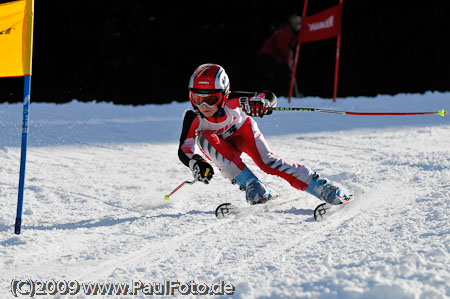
x: 201, y: 170
x: 255, y: 106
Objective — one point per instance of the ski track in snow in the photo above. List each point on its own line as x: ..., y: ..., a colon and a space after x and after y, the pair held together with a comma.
x: 97, y: 174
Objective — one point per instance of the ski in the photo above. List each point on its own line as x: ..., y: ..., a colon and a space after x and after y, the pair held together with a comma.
x: 227, y: 210
x: 325, y: 210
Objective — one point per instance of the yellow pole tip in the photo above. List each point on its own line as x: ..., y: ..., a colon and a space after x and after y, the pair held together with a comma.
x: 166, y: 197
x: 442, y: 113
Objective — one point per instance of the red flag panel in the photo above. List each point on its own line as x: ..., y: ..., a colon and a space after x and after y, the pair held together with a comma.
x: 326, y: 24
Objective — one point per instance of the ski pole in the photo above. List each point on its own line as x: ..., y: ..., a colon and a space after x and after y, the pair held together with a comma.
x: 440, y: 112
x: 167, y: 196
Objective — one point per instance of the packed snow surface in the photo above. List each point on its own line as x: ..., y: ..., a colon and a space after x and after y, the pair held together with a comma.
x: 97, y: 173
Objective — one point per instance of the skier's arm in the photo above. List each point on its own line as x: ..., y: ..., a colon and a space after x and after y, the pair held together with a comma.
x: 201, y: 170
x: 187, y: 138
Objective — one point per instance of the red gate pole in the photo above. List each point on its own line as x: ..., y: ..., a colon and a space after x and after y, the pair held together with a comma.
x: 296, y: 54
x: 336, y: 68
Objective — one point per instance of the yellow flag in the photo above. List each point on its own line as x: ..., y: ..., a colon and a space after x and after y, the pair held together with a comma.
x: 16, y: 38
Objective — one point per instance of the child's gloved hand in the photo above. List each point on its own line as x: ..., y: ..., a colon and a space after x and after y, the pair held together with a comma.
x: 201, y: 170
x: 255, y: 106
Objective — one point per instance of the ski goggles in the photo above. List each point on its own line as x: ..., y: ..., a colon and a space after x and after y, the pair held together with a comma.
x: 208, y: 99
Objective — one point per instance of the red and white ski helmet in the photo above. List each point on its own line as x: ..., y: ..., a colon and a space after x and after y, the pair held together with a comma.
x: 209, y: 85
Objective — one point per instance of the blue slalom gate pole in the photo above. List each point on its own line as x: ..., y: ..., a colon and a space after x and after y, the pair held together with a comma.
x: 23, y: 153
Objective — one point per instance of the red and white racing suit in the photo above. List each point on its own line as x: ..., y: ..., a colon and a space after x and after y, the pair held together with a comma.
x: 228, y: 134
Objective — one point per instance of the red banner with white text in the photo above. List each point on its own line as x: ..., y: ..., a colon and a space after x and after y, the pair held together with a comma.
x: 326, y: 24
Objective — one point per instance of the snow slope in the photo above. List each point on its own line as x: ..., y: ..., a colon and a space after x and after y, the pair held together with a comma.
x: 94, y: 208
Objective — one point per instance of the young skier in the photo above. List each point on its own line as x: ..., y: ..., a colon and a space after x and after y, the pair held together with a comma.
x: 221, y: 122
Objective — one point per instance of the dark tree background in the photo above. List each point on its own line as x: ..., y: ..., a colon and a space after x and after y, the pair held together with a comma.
x: 139, y: 52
